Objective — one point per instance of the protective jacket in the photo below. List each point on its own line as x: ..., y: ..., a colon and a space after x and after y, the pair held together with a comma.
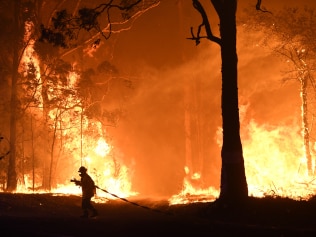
x: 88, y: 186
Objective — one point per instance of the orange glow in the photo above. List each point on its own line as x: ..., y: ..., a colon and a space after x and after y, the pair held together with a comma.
x: 274, y: 157
x: 274, y: 162
x: 82, y: 142
x: 30, y: 57
x: 102, y: 148
x: 89, y: 149
x: 192, y: 193
x: 108, y: 172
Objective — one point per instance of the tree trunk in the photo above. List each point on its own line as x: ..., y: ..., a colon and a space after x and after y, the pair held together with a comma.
x: 233, y: 179
x: 52, y: 154
x: 12, y: 176
x: 305, y: 125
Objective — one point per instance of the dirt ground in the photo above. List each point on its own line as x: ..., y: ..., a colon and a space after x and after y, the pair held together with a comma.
x: 53, y: 215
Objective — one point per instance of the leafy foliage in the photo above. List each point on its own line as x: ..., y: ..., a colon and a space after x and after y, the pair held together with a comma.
x: 88, y: 18
x: 65, y: 28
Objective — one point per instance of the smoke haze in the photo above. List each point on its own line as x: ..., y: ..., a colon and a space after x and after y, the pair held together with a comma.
x: 174, y: 76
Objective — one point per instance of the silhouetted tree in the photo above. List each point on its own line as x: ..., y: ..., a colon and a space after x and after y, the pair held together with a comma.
x: 22, y: 14
x: 233, y: 186
x: 102, y: 21
x: 18, y: 27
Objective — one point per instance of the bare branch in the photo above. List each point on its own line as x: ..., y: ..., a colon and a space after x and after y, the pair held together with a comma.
x: 65, y: 28
x: 258, y: 7
x: 205, y: 23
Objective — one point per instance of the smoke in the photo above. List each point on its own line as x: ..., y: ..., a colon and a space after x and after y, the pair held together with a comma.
x: 153, y: 135
x: 270, y: 99
x: 175, y: 80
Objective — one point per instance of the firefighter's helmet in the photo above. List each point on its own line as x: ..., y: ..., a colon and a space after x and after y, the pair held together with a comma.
x: 82, y: 169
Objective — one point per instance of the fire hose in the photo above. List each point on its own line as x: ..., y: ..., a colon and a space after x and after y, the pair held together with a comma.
x: 124, y: 199
x: 133, y: 203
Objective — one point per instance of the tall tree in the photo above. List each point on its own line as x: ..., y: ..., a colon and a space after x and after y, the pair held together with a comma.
x: 12, y: 176
x: 22, y: 16
x: 233, y: 185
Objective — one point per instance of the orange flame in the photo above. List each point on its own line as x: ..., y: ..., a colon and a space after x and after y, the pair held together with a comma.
x: 94, y: 152
x: 274, y: 163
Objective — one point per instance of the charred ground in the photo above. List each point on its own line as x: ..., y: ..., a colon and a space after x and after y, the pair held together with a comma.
x: 53, y: 215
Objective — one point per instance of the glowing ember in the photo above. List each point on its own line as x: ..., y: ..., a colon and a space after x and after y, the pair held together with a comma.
x: 191, y: 191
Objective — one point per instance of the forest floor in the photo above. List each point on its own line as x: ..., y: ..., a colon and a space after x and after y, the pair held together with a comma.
x: 59, y: 215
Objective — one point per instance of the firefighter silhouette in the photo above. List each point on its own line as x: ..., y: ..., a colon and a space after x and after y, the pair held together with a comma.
x: 88, y: 191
